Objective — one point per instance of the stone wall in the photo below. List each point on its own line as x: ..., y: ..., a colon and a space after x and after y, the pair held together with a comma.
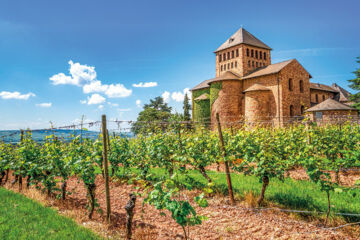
x: 322, y: 95
x: 334, y: 116
x: 258, y: 106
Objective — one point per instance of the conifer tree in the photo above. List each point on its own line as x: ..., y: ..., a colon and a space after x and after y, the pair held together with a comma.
x: 186, y: 108
x: 355, y: 84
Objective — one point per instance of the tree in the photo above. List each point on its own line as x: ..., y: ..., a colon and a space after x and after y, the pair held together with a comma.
x: 154, y: 115
x: 186, y: 108
x: 355, y: 84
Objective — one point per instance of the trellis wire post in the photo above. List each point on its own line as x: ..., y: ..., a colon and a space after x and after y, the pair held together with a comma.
x: 227, y: 170
x: 106, y: 170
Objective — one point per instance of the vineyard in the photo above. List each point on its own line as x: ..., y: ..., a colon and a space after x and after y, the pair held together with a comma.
x: 165, y: 163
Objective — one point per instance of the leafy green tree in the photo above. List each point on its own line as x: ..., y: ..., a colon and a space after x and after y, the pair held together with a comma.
x: 153, y: 115
x: 355, y: 84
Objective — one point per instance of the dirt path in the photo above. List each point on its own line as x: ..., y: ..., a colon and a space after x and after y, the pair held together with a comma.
x: 223, y: 222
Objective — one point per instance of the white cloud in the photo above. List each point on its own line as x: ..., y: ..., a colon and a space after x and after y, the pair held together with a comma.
x: 117, y: 91
x: 145, y: 85
x: 95, y: 99
x: 113, y: 104
x: 79, y: 74
x: 138, y: 103
x: 16, y: 95
x: 101, y: 107
x: 179, y: 96
x: 94, y: 86
x: 166, y: 96
x: 83, y: 101
x: 44, y: 105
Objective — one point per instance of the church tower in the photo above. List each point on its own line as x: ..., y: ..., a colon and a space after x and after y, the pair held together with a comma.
x: 242, y: 54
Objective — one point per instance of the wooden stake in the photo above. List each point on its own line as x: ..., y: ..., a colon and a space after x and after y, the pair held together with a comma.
x: 106, y: 170
x: 21, y: 140
x: 227, y: 170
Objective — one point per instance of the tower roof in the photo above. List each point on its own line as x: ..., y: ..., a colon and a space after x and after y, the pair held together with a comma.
x: 242, y: 36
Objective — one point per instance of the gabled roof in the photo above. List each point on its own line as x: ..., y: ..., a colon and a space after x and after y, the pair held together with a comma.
x: 270, y: 69
x: 323, y: 87
x: 228, y: 75
x: 242, y: 36
x: 202, y: 85
x: 257, y: 87
x: 329, y: 104
x: 203, y: 96
x: 344, y: 96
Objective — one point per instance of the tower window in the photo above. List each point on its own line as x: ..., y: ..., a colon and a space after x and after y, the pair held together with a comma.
x: 264, y: 55
x: 290, y: 84
x: 224, y: 56
x: 256, y: 54
x: 228, y: 66
x: 232, y: 65
x: 228, y: 55
x: 291, y: 110
x: 252, y: 64
x: 232, y: 54
x: 302, y: 109
x: 235, y: 64
x: 237, y: 52
x: 247, y: 52
x: 221, y: 68
x: 224, y: 67
x: 249, y: 63
x: 316, y: 98
x: 257, y: 64
x: 260, y: 53
x: 220, y: 58
x: 252, y: 52
x: 301, y: 85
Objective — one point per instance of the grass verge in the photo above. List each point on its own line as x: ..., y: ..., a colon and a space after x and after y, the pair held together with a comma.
x: 23, y: 218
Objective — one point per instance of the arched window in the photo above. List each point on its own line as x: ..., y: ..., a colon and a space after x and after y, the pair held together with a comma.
x: 253, y: 64
x: 236, y: 64
x: 264, y: 55
x: 232, y: 65
x: 224, y: 56
x: 232, y: 54
x: 224, y: 67
x: 228, y: 66
x: 256, y: 54
x: 260, y: 53
x: 228, y: 56
x: 237, y: 52
x: 247, y: 52
x: 221, y: 68
x: 249, y: 63
x: 219, y: 57
x: 257, y: 64
x: 291, y: 110
x: 323, y: 97
x: 301, y: 86
x: 302, y: 109
x: 316, y: 98
x: 252, y: 52
x: 290, y: 84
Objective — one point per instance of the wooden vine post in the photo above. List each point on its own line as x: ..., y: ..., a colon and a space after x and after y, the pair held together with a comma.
x: 129, y: 215
x: 20, y: 176
x: 227, y: 170
x: 106, y: 170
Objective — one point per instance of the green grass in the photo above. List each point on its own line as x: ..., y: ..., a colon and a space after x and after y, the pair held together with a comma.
x: 291, y: 194
x: 23, y: 218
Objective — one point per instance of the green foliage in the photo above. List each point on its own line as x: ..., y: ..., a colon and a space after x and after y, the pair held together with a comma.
x: 201, y: 108
x: 214, y: 92
x: 355, y: 84
x: 186, y: 108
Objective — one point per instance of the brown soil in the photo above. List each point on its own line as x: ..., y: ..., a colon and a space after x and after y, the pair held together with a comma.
x: 223, y: 222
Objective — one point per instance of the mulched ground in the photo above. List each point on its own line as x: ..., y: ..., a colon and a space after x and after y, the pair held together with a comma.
x: 224, y: 222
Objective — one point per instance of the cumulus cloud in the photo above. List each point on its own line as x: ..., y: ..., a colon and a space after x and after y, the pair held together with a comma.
x: 138, y: 103
x: 44, y: 105
x: 166, y: 96
x: 179, y: 96
x: 79, y: 74
x: 16, y: 95
x: 95, y: 99
x: 145, y: 85
x: 117, y: 91
x: 94, y: 86
x: 101, y: 107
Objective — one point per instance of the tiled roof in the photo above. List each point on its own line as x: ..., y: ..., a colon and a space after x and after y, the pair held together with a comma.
x: 204, y: 96
x: 242, y: 36
x: 344, y: 96
x: 270, y: 69
x: 322, y: 87
x: 329, y: 104
x: 228, y: 75
x: 257, y: 87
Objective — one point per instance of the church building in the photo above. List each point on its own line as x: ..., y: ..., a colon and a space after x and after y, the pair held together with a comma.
x: 249, y: 87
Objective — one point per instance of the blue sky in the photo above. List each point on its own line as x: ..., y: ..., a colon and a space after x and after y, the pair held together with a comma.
x: 169, y: 44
